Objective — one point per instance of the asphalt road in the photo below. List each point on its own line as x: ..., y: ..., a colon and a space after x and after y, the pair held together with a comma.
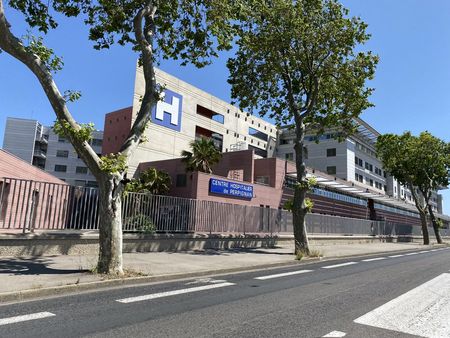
x: 305, y: 300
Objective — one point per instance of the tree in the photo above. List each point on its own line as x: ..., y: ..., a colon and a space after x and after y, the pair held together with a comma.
x: 420, y: 163
x: 191, y: 31
x: 202, y: 157
x: 152, y: 180
x: 296, y: 62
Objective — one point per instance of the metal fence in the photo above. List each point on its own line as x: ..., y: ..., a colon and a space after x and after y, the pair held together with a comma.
x: 28, y: 205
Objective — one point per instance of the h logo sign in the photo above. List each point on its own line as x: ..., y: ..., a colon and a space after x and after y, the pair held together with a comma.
x: 167, y: 112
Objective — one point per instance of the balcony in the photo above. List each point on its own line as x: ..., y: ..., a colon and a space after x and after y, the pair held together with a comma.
x: 40, y: 153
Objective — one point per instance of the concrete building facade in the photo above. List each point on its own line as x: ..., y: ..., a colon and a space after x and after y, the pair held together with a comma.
x: 39, y: 145
x: 353, y: 159
x: 185, y: 114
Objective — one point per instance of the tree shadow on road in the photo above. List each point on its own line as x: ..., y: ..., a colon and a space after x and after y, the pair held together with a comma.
x: 32, y: 266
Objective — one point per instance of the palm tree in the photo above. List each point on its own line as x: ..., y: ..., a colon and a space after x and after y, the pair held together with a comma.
x: 152, y: 180
x: 202, y: 157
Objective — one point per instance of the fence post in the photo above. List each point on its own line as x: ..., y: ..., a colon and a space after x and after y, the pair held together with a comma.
x: 245, y: 217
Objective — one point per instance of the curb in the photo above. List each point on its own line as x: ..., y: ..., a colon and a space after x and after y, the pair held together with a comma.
x: 34, y: 294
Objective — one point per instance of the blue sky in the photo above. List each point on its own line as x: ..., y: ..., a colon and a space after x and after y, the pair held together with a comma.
x: 412, y: 38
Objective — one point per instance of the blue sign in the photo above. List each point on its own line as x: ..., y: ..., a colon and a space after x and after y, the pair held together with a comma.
x: 232, y: 189
x: 167, y: 112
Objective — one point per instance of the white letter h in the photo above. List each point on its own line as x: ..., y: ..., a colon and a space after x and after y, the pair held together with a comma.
x: 172, y: 109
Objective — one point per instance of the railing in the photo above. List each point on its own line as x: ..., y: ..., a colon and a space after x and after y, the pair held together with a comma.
x: 28, y: 205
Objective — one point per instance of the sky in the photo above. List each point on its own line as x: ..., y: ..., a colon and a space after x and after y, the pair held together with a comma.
x: 411, y: 37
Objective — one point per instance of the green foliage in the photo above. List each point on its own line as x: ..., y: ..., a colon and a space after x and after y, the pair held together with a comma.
x: 113, y: 163
x: 307, y: 184
x: 191, y: 31
x: 289, y: 205
x: 422, y: 161
x: 35, y: 45
x: 202, y: 157
x: 152, y: 180
x: 142, y: 223
x: 83, y: 132
x: 296, y: 62
x: 72, y: 95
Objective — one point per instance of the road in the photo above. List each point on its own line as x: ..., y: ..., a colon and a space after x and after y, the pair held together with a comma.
x: 358, y: 297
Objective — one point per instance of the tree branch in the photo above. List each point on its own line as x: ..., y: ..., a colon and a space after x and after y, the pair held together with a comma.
x: 144, y: 28
x: 14, y: 47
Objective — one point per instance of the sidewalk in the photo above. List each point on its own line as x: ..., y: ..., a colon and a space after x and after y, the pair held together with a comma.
x: 39, y: 273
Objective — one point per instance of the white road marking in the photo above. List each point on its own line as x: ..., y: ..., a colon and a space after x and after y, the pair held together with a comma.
x: 395, y: 256
x: 411, y: 253
x: 283, y: 274
x: 206, y: 281
x: 24, y: 318
x: 335, y: 334
x: 424, y: 251
x: 423, y: 311
x: 373, y: 259
x: 434, y: 250
x: 173, y: 293
x: 338, y: 265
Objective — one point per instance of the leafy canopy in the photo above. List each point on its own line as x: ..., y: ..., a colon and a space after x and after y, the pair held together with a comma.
x: 296, y: 62
x: 152, y: 180
x: 191, y: 31
x: 422, y: 161
x: 202, y: 157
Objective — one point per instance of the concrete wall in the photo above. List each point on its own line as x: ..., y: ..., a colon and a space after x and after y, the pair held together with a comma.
x: 116, y: 128
x: 19, y: 137
x: 71, y: 162
x: 166, y: 143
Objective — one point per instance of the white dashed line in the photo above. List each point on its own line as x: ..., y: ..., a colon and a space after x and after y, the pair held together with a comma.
x: 283, y: 274
x: 173, y: 293
x: 338, y: 265
x: 395, y: 256
x: 335, y: 334
x: 24, y: 318
x: 373, y: 259
x: 411, y: 253
x: 424, y: 251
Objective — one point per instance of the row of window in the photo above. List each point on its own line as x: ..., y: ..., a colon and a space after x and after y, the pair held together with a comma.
x: 338, y: 196
x: 96, y: 142
x: 368, y: 166
x: 63, y: 169
x: 369, y: 181
x: 363, y: 148
x: 394, y: 210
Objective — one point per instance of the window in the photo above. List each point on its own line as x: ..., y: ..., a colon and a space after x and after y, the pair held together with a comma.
x: 331, y: 152
x: 61, y: 139
x: 289, y: 156
x: 181, y: 180
x: 91, y: 184
x: 96, y: 142
x: 208, y: 113
x: 81, y: 170
x: 62, y: 153
x: 263, y: 180
x: 258, y: 134
x: 369, y: 166
x: 60, y: 168
x: 331, y: 170
x: 371, y: 182
x: 378, y: 171
x: 358, y: 161
x: 80, y: 183
x: 359, y: 178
